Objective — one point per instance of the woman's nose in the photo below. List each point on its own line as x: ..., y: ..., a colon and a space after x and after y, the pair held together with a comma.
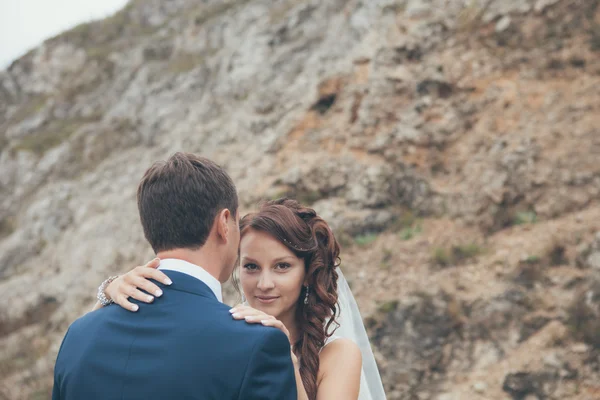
x: 265, y: 282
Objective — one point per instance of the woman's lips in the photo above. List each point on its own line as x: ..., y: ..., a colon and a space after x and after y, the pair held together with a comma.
x: 266, y: 299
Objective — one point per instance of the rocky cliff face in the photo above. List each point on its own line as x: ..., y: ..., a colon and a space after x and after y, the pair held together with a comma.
x: 453, y: 145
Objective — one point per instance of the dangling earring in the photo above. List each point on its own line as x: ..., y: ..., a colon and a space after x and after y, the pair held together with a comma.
x: 306, y: 297
x: 243, y: 298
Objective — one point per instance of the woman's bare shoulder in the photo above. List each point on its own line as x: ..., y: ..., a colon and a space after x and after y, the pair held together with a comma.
x: 341, y: 351
x: 340, y: 361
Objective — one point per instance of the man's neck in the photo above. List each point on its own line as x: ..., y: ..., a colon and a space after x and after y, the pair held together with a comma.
x: 201, y: 258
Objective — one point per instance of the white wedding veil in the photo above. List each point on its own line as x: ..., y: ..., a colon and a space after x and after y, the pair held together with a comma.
x: 352, y: 327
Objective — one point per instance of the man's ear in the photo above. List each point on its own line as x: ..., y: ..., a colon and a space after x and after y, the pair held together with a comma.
x: 223, y: 224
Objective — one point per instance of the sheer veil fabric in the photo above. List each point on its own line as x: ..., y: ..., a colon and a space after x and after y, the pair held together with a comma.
x: 352, y: 327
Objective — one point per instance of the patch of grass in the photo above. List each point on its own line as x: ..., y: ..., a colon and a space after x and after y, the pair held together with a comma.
x: 99, y: 52
x: 525, y: 217
x: 99, y: 37
x: 344, y: 239
x: 466, y: 251
x: 29, y: 109
x: 185, y: 62
x: 278, y: 12
x: 365, y: 239
x: 441, y: 257
x: 470, y: 17
x: 208, y: 12
x: 407, y: 224
x: 3, y: 141
x: 7, y: 226
x: 406, y: 219
x: 456, y: 254
x: 595, y: 37
x: 308, y: 197
x: 410, y: 232
x: 45, y: 139
x: 105, y: 30
x: 388, y: 307
x: 532, y: 260
x: 41, y: 142
x: 278, y: 193
x: 386, y: 258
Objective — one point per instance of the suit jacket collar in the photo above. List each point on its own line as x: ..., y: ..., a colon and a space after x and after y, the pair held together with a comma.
x: 195, y: 271
x: 186, y: 283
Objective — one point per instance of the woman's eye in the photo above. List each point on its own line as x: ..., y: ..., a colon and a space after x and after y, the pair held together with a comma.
x: 251, y: 267
x: 283, y: 266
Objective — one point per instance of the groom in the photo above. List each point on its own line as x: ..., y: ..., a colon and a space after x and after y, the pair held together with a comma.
x: 186, y: 346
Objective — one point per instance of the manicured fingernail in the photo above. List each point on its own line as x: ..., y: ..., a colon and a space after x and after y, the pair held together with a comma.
x: 168, y: 282
x: 134, y: 307
x: 236, y: 315
x: 263, y: 321
x: 158, y: 293
x: 150, y: 298
x: 232, y: 310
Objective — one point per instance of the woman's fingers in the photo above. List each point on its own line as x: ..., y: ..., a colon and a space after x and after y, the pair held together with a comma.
x: 150, y: 271
x: 148, y: 286
x: 132, y: 283
x: 250, y: 314
x: 238, y: 308
x: 153, y: 264
x: 257, y: 318
x: 158, y: 276
x: 137, y: 294
x: 121, y: 300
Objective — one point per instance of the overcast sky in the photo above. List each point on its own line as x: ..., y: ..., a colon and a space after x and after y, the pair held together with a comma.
x: 25, y: 24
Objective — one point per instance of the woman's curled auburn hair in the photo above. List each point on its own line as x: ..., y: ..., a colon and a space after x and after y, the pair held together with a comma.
x: 309, y: 237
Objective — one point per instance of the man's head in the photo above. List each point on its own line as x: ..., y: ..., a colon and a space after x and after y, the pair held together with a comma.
x: 188, y: 202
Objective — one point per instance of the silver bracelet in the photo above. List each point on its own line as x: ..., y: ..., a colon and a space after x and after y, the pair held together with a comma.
x: 101, y: 296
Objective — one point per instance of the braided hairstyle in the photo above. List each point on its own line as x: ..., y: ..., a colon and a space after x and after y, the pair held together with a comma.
x: 309, y: 237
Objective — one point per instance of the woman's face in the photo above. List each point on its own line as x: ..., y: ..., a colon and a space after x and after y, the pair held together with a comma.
x: 271, y: 275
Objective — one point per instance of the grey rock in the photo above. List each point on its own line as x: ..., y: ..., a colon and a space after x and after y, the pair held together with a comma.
x: 541, y: 5
x: 593, y: 260
x: 503, y: 24
x: 480, y: 387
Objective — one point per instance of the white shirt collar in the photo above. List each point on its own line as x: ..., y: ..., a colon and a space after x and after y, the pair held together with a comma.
x: 196, y: 271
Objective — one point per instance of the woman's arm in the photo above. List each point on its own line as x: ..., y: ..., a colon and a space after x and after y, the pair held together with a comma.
x: 340, y: 369
x: 132, y: 283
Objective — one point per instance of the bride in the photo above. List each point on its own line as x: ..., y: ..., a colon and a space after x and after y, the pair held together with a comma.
x: 291, y: 280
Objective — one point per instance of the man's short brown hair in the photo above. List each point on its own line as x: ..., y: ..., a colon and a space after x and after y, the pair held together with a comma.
x: 178, y: 201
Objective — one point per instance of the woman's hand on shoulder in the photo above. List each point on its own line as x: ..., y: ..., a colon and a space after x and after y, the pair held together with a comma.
x: 340, y: 361
x: 254, y: 316
x: 133, y: 282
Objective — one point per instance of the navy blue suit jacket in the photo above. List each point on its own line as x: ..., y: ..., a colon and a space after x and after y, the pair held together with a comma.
x: 185, y: 345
